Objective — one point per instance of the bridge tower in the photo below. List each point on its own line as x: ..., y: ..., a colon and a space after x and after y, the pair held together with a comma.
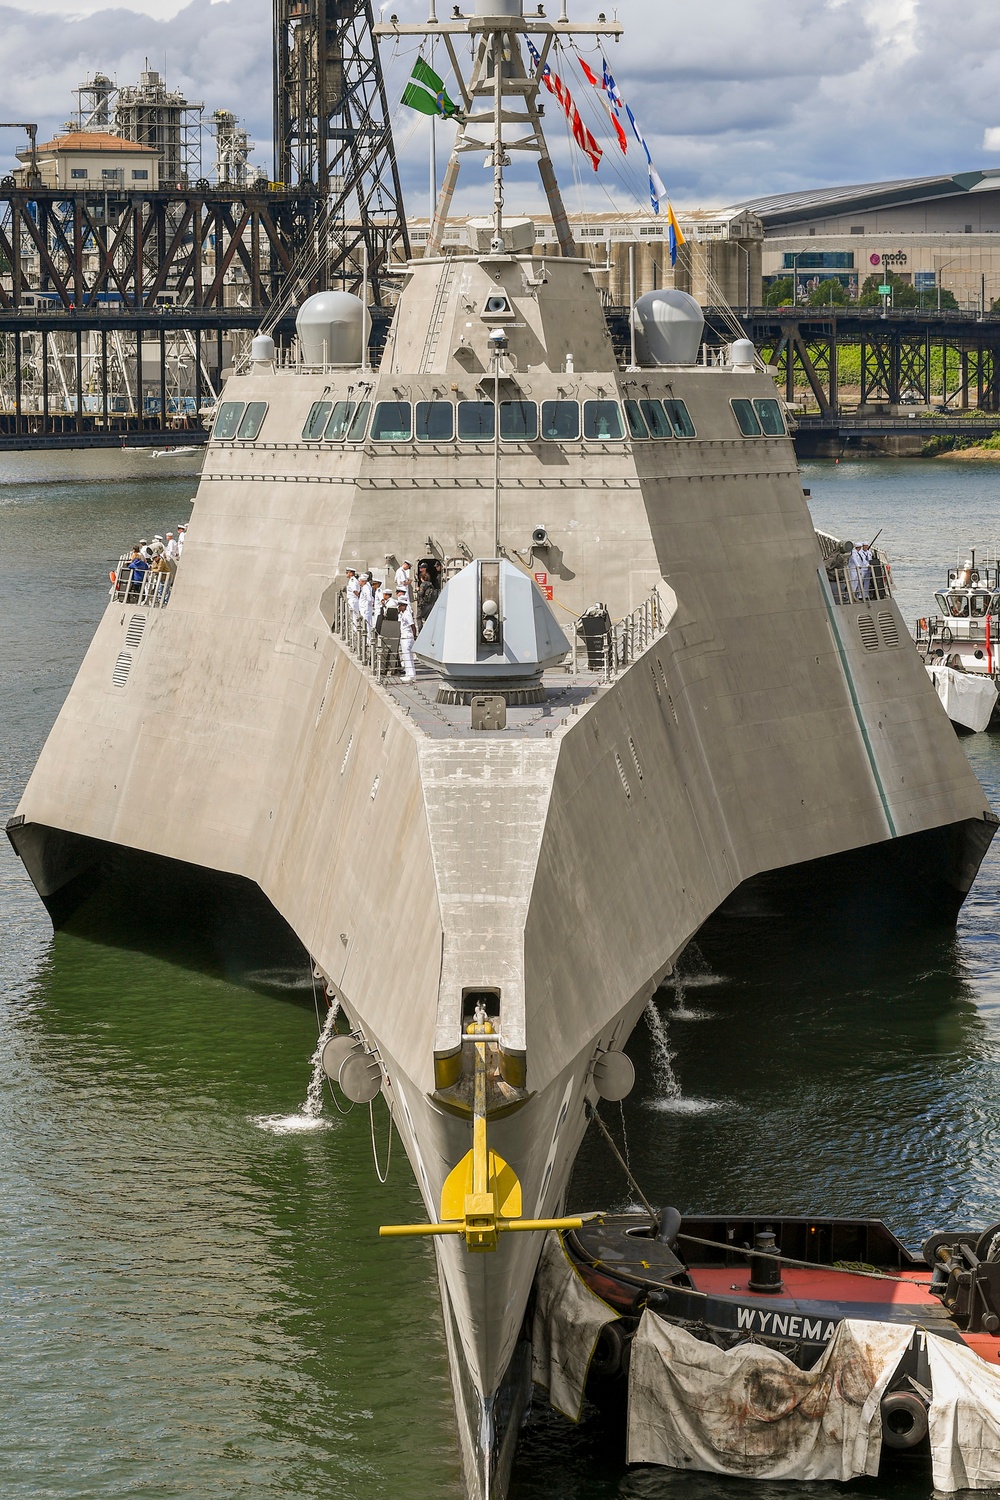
x: 332, y: 137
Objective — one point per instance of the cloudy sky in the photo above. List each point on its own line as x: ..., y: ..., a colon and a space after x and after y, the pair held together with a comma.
x: 736, y: 97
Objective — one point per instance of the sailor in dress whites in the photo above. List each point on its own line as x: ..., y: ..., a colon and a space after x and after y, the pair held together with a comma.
x: 407, y: 636
x: 403, y: 578
x: 366, y: 602
x: 353, y: 594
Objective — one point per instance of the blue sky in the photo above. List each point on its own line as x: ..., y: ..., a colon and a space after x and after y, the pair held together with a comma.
x: 736, y: 97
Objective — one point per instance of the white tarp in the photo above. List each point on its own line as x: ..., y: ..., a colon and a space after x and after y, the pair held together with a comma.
x: 567, y: 1324
x: 750, y: 1411
x: 964, y: 1418
x: 968, y: 699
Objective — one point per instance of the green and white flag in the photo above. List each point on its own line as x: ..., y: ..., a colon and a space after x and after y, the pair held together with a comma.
x: 426, y: 92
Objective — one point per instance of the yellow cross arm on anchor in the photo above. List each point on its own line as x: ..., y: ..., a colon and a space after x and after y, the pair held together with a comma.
x: 481, y: 1197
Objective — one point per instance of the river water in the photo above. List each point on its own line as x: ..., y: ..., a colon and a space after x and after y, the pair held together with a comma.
x: 194, y: 1299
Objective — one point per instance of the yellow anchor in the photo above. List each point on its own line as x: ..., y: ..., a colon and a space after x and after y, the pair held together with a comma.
x: 481, y: 1197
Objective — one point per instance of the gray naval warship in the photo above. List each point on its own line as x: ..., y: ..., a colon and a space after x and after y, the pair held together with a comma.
x: 532, y: 830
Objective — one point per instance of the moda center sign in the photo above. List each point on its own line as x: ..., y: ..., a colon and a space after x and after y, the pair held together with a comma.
x: 891, y: 258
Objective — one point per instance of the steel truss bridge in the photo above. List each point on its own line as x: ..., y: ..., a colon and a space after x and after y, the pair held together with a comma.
x: 897, y: 354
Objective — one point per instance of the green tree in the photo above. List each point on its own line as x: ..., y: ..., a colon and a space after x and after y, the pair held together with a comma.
x: 829, y: 291
x: 903, y: 294
x: 779, y: 292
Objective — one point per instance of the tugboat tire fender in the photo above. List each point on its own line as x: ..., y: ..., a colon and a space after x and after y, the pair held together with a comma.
x: 904, y: 1420
x: 611, y: 1352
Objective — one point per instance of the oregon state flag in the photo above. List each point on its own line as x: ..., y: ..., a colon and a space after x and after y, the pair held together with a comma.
x: 425, y: 91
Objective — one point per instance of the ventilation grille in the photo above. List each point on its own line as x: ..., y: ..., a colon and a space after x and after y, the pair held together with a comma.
x: 624, y: 778
x: 635, y: 757
x: 133, y: 634
x: 869, y: 635
x: 123, y: 667
x: 887, y: 625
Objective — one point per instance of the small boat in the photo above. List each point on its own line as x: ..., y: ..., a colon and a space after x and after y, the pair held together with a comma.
x: 960, y: 645
x: 730, y: 1342
x: 182, y: 451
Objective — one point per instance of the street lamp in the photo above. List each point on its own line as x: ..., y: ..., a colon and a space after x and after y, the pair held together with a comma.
x: 937, y: 276
x: 795, y: 277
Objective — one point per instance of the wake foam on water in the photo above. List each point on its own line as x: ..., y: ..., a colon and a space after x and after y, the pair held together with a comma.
x: 291, y: 1124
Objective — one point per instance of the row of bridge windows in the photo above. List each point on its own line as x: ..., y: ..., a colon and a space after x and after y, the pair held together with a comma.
x: 474, y: 421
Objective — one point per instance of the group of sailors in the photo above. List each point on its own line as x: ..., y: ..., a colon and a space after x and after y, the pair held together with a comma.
x: 857, y: 572
x: 382, y: 615
x: 147, y: 574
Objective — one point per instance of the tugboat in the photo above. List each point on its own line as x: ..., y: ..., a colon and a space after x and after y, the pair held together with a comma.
x: 636, y: 693
x: 961, y: 645
x: 696, y: 1328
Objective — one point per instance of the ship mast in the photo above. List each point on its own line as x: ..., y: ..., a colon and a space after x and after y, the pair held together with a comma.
x: 500, y: 91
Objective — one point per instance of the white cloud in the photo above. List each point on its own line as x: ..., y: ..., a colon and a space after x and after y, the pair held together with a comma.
x: 736, y: 97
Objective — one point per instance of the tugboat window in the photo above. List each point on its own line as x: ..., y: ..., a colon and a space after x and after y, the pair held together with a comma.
x: 319, y: 415
x: 229, y: 418
x: 770, y: 418
x: 749, y: 426
x: 435, y: 421
x: 340, y: 421
x: 393, y: 422
x: 958, y: 606
x: 679, y: 419
x: 980, y: 605
x: 560, y: 421
x: 656, y: 419
x: 602, y: 422
x: 633, y: 416
x: 476, y: 421
x: 518, y: 421
x: 253, y: 419
x: 357, y: 429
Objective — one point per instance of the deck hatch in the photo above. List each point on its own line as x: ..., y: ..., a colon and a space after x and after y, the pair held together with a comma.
x: 122, y: 668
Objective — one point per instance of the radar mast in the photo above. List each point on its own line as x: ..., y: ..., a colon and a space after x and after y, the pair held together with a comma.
x: 500, y: 92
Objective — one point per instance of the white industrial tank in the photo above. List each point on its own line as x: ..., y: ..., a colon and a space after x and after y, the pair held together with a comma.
x: 331, y: 327
x: 668, y: 327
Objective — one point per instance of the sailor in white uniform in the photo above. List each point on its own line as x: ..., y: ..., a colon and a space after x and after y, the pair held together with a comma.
x: 353, y: 594
x: 403, y: 578
x: 366, y: 602
x: 407, y: 636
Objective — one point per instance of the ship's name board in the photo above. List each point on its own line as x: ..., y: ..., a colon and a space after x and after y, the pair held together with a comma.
x: 785, y: 1325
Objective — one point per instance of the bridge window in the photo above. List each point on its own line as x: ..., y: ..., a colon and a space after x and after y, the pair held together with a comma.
x: 745, y: 415
x: 476, y: 421
x: 359, y: 425
x: 319, y: 415
x: 393, y: 422
x: 633, y: 416
x: 680, y: 421
x: 253, y: 419
x: 340, y: 420
x: 229, y: 419
x: 560, y: 421
x: 958, y: 606
x: 656, y: 419
x: 518, y: 421
x: 980, y: 605
x: 769, y: 416
x: 602, y: 422
x: 435, y: 421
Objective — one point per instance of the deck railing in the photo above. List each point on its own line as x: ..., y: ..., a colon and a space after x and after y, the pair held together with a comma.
x: 598, y: 643
x: 152, y: 593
